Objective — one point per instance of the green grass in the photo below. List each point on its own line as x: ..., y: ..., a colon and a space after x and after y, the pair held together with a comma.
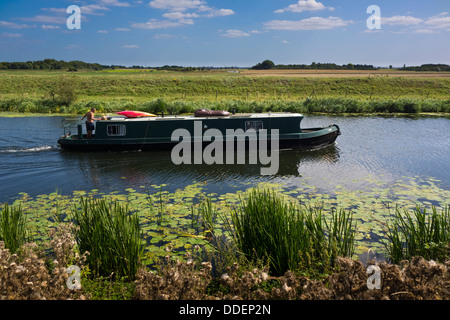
x: 291, y: 237
x: 43, y: 92
x: 419, y: 234
x: 325, y: 105
x: 13, y: 229
x: 111, y: 235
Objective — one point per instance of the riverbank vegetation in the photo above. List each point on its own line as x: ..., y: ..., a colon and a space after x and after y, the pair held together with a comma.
x: 189, y: 245
x: 245, y: 91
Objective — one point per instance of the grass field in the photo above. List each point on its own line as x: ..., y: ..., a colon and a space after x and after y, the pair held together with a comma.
x: 114, y: 90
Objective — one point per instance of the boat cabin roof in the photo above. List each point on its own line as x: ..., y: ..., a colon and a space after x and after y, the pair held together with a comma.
x: 191, y: 117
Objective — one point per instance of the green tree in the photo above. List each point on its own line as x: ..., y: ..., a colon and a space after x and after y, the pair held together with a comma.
x: 265, y: 65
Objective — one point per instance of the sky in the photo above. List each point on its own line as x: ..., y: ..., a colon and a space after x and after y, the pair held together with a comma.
x: 226, y: 33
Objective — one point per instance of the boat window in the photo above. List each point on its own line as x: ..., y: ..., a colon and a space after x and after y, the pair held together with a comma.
x: 116, y: 130
x: 257, y: 125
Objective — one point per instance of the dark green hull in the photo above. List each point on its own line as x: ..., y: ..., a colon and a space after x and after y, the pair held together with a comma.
x: 156, y: 133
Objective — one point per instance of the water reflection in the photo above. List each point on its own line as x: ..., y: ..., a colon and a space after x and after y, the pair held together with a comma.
x: 116, y: 171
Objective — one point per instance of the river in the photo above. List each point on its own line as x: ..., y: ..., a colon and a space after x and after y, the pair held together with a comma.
x: 369, y: 146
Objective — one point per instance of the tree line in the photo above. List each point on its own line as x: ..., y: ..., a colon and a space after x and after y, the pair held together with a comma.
x: 428, y: 67
x: 268, y: 64
x: 50, y: 64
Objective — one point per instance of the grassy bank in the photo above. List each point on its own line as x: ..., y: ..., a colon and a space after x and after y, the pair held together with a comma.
x: 176, y: 92
x: 310, y: 105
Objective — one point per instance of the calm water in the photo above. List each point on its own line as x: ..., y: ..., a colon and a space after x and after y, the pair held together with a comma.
x: 391, y: 148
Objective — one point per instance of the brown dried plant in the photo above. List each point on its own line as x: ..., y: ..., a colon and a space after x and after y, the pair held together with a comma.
x: 30, y: 275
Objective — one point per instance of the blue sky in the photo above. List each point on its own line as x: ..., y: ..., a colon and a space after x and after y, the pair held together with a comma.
x: 227, y: 32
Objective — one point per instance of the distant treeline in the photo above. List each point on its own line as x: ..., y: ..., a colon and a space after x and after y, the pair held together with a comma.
x: 50, y: 64
x: 267, y: 64
x: 170, y: 68
x: 326, y: 66
x: 428, y: 67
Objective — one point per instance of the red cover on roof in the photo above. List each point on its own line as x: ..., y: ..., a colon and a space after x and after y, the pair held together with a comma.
x: 135, y: 114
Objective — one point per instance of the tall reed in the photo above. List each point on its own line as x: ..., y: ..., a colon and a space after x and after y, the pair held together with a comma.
x: 291, y: 236
x: 419, y: 234
x: 12, y: 227
x: 112, y: 236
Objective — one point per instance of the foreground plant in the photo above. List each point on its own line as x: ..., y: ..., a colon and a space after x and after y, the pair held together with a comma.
x: 289, y: 236
x: 419, y: 234
x: 111, y: 235
x: 30, y: 274
x: 12, y: 227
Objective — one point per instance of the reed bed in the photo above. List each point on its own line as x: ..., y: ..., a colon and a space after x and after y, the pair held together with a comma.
x: 419, y: 233
x: 111, y: 235
x: 176, y: 107
x: 13, y: 231
x: 290, y: 236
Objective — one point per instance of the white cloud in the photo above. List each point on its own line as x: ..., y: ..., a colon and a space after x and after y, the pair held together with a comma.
x: 46, y: 19
x: 122, y: 29
x: 115, y: 3
x: 440, y: 21
x: 50, y: 27
x: 424, y: 31
x: 131, y: 46
x: 401, y: 20
x: 10, y: 35
x: 179, y: 15
x: 420, y: 26
x: 102, y: 31
x: 219, y: 13
x: 55, y: 10
x: 233, y: 33
x: 304, y: 5
x: 161, y: 24
x: 163, y: 36
x: 313, y: 23
x: 285, y: 42
x: 72, y: 47
x: 93, y: 9
x: 181, y: 12
x: 12, y: 25
x: 176, y: 5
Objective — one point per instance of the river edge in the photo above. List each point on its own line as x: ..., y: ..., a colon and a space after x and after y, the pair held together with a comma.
x: 4, y: 114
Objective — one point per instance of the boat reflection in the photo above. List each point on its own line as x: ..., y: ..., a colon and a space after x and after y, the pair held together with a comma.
x: 116, y: 171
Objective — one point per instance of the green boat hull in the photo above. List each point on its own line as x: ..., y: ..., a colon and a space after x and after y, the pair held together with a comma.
x: 160, y: 133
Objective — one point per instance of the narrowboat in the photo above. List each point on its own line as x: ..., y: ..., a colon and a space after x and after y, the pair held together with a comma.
x: 122, y: 133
